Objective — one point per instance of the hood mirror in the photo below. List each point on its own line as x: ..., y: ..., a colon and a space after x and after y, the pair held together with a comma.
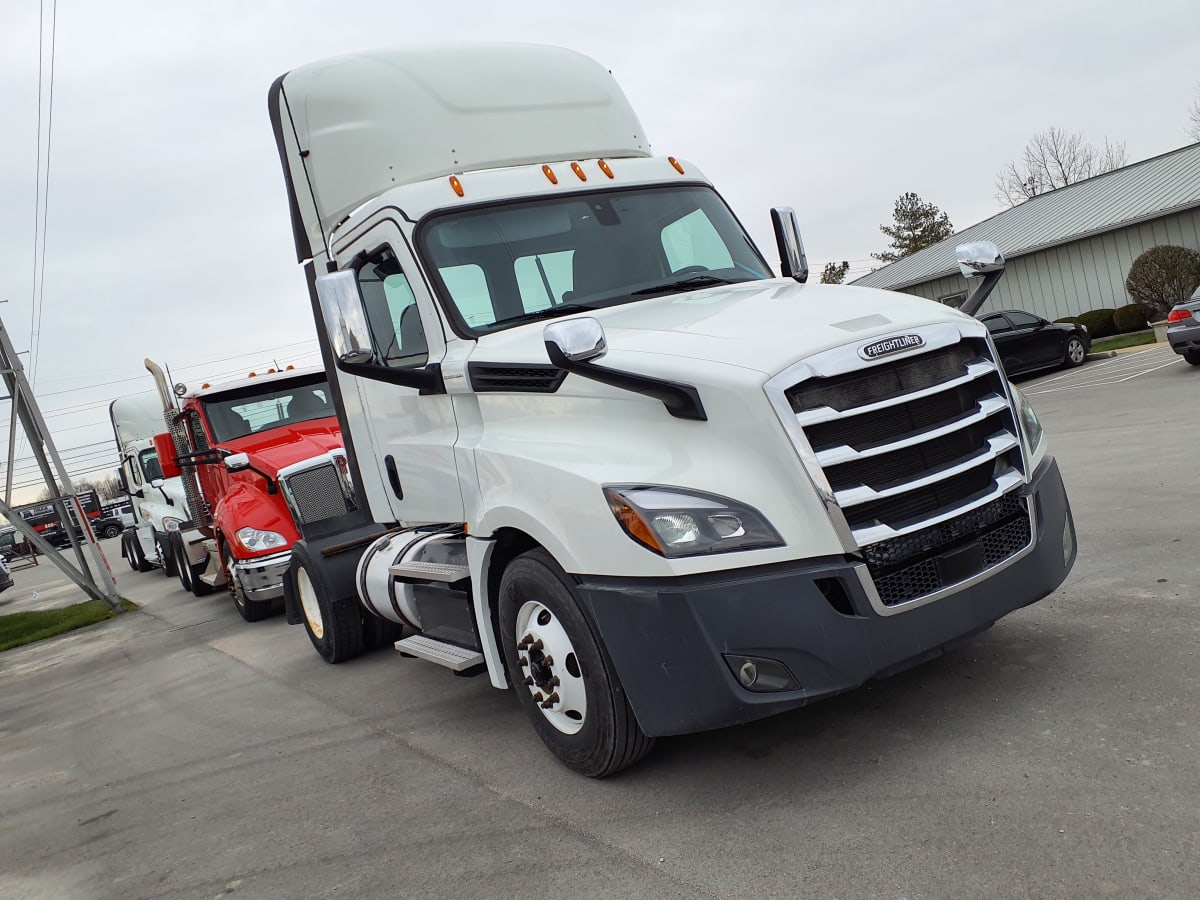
x: 793, y: 263
x: 235, y: 462
x: 575, y: 340
x: 979, y: 258
x: 345, y: 321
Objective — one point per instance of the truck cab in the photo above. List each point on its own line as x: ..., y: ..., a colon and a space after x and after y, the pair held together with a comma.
x: 601, y: 451
x: 243, y: 448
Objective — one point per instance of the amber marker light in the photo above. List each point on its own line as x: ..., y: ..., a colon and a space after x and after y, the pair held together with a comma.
x: 673, y: 161
x: 604, y: 167
x: 205, y: 386
x: 456, y: 185
x: 549, y: 173
x: 635, y: 526
x: 578, y: 170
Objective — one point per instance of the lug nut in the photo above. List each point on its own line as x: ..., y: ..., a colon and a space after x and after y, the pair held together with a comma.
x: 537, y: 645
x: 551, y: 700
x: 547, y: 660
x: 528, y: 682
x: 524, y: 661
x: 537, y: 698
x: 554, y: 682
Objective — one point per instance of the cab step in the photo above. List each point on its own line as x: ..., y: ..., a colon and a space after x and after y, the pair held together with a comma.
x: 449, y: 655
x: 427, y: 571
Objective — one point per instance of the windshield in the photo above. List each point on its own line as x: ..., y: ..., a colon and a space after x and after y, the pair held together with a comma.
x: 504, y: 265
x: 248, y: 411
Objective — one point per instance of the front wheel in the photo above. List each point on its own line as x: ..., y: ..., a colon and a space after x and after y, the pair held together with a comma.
x: 564, y: 680
x: 1076, y: 352
x: 189, y: 575
x: 1192, y: 357
x: 250, y: 610
x: 110, y: 531
x: 334, y: 625
x: 133, y: 553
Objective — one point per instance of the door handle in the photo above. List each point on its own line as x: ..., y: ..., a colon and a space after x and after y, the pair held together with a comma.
x: 393, y: 476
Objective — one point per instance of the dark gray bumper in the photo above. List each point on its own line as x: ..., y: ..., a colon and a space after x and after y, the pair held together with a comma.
x: 668, y: 638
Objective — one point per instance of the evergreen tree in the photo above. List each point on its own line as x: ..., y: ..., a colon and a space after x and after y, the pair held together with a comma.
x: 918, y: 225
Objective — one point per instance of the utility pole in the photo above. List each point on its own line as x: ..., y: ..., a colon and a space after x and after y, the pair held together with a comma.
x: 101, y: 586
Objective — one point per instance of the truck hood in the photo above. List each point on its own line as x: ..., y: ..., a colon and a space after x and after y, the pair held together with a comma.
x: 270, y: 451
x: 761, y: 325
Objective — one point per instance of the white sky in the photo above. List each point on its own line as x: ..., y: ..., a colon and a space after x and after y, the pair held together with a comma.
x: 168, y: 233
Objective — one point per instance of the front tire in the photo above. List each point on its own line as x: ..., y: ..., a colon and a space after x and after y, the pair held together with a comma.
x: 1192, y: 357
x: 250, y: 610
x: 111, y: 531
x: 1076, y: 353
x: 565, y: 682
x: 135, y: 555
x: 189, y: 575
x: 166, y: 554
x: 334, y: 625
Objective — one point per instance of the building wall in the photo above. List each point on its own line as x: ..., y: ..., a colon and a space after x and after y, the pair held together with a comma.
x: 1072, y: 278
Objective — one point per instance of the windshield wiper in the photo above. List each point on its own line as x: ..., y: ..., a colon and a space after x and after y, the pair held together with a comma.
x: 691, y: 283
x: 562, y: 309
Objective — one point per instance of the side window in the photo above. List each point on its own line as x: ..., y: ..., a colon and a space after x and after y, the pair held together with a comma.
x: 392, y: 315
x: 996, y: 324
x: 693, y: 241
x: 543, y: 279
x: 469, y: 290
x: 1023, y: 320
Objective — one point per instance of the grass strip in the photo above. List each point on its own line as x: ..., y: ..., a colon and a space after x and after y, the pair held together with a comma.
x: 20, y: 628
x: 1116, y: 342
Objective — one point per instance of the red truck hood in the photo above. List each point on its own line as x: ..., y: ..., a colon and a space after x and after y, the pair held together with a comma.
x: 271, y: 450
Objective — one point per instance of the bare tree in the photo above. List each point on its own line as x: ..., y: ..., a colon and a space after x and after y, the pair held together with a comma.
x: 1052, y: 159
x: 1193, y: 128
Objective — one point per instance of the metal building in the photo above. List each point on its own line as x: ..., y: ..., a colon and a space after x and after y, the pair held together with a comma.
x: 1068, y: 250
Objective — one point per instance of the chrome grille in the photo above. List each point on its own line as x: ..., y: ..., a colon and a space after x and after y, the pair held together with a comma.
x: 316, y: 494
x: 921, y: 456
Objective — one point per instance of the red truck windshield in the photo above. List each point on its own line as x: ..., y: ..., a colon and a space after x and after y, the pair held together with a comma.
x: 250, y: 411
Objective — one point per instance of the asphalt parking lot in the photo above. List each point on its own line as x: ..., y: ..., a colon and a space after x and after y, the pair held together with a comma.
x: 180, y: 752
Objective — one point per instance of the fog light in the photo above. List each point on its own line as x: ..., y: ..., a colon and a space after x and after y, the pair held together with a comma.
x: 748, y: 674
x: 1068, y: 540
x: 761, y: 675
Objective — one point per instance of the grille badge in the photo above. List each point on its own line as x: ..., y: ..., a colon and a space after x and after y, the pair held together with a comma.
x: 891, y: 345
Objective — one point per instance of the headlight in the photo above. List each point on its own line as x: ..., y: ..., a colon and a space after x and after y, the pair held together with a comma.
x: 254, y: 540
x: 1030, y: 426
x: 674, y: 522
x: 171, y: 524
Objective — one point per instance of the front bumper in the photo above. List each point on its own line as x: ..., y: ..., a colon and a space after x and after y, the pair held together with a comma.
x: 262, y: 578
x: 669, y: 638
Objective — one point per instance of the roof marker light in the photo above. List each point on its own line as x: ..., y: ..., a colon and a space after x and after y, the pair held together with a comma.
x: 456, y: 184
x: 673, y: 161
x: 253, y: 374
x: 578, y: 170
x: 549, y: 173
x: 604, y: 167
x: 290, y: 367
x: 205, y: 386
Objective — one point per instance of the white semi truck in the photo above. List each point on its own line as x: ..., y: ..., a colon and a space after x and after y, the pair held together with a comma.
x: 159, y: 504
x: 599, y: 451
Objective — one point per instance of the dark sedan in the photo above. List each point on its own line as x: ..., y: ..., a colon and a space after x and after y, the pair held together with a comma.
x: 1026, y: 342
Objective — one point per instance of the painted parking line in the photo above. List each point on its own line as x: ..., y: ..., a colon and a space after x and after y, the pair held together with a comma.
x: 1119, y: 369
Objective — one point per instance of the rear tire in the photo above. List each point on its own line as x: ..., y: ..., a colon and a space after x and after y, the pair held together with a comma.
x: 589, y: 726
x: 111, y: 531
x: 378, y: 633
x: 137, y: 558
x: 250, y: 610
x: 335, y: 626
x: 1192, y: 357
x: 166, y: 555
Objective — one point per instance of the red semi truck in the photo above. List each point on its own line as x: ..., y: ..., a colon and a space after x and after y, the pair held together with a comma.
x: 252, y: 454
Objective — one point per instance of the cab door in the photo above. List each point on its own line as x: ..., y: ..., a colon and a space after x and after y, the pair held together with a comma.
x: 403, y: 438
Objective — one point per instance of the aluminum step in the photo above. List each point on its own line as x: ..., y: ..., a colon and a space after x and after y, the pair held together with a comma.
x: 425, y: 571
x: 449, y: 655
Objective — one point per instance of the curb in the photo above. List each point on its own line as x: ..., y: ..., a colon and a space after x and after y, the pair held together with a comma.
x: 1103, y: 354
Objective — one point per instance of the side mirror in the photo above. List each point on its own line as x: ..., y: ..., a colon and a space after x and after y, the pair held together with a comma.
x: 168, y: 461
x: 979, y: 258
x: 156, y: 483
x: 235, y: 462
x: 122, y: 484
x: 792, y: 261
x: 345, y: 321
x: 575, y: 340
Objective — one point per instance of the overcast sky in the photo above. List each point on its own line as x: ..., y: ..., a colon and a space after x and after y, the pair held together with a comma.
x: 167, y: 232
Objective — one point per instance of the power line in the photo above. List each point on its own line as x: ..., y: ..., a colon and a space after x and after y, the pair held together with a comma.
x: 34, y: 356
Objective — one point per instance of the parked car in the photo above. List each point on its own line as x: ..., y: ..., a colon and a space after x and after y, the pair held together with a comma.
x: 6, y: 579
x: 1027, y: 342
x: 1183, y: 329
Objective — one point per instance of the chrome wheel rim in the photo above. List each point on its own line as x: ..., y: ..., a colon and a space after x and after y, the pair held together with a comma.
x: 1076, y: 351
x: 550, y: 667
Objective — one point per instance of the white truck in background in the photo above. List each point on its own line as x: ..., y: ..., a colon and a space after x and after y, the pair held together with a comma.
x: 159, y: 504
x: 598, y: 450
